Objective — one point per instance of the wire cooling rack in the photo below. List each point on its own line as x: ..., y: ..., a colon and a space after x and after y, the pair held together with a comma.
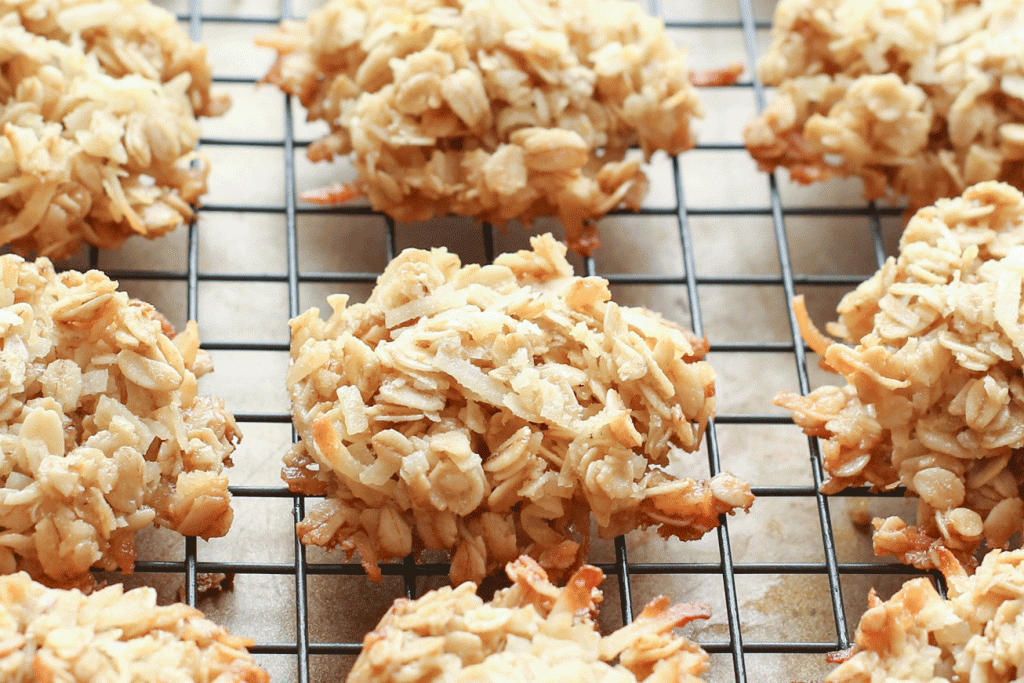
x: 303, y: 650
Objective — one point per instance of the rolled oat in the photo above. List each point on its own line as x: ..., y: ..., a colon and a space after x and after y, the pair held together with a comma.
x: 491, y: 410
x: 102, y: 430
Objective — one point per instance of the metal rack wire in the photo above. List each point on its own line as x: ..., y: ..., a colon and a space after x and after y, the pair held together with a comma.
x: 623, y: 570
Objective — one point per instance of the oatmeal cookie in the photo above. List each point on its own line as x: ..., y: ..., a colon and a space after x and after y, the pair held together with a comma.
x: 531, y: 631
x: 491, y: 410
x: 102, y: 431
x: 50, y: 635
x: 920, y: 98
x: 973, y: 635
x: 498, y: 110
x: 98, y: 104
x: 934, y: 399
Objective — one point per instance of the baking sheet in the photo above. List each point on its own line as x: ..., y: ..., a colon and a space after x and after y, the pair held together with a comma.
x: 243, y: 297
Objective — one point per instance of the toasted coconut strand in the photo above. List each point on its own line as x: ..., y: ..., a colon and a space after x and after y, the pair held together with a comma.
x: 338, y: 193
x: 810, y: 333
x: 490, y: 411
x: 530, y: 630
x: 51, y: 635
x: 101, y: 429
x: 727, y: 75
x: 578, y: 592
x: 973, y: 635
x: 920, y: 98
x: 934, y: 399
x: 840, y: 656
x: 495, y: 111
x: 656, y: 619
x: 99, y: 123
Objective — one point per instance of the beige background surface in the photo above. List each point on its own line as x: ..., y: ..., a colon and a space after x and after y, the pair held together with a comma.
x: 232, y: 246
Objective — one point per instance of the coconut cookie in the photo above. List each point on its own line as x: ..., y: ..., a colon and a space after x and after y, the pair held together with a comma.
x: 99, y: 105
x: 531, y: 631
x: 492, y: 410
x: 101, y: 428
x: 498, y: 110
x: 934, y: 394
x: 920, y: 98
x: 49, y: 634
x: 973, y: 635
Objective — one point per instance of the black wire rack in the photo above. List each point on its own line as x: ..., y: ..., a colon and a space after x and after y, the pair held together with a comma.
x: 736, y: 653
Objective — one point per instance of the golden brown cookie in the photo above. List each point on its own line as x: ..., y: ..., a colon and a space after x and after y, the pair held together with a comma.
x: 916, y: 635
x: 934, y: 396
x: 492, y: 411
x: 101, y: 428
x: 50, y: 634
x: 531, y: 631
x: 498, y: 110
x: 99, y: 106
x: 920, y: 98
